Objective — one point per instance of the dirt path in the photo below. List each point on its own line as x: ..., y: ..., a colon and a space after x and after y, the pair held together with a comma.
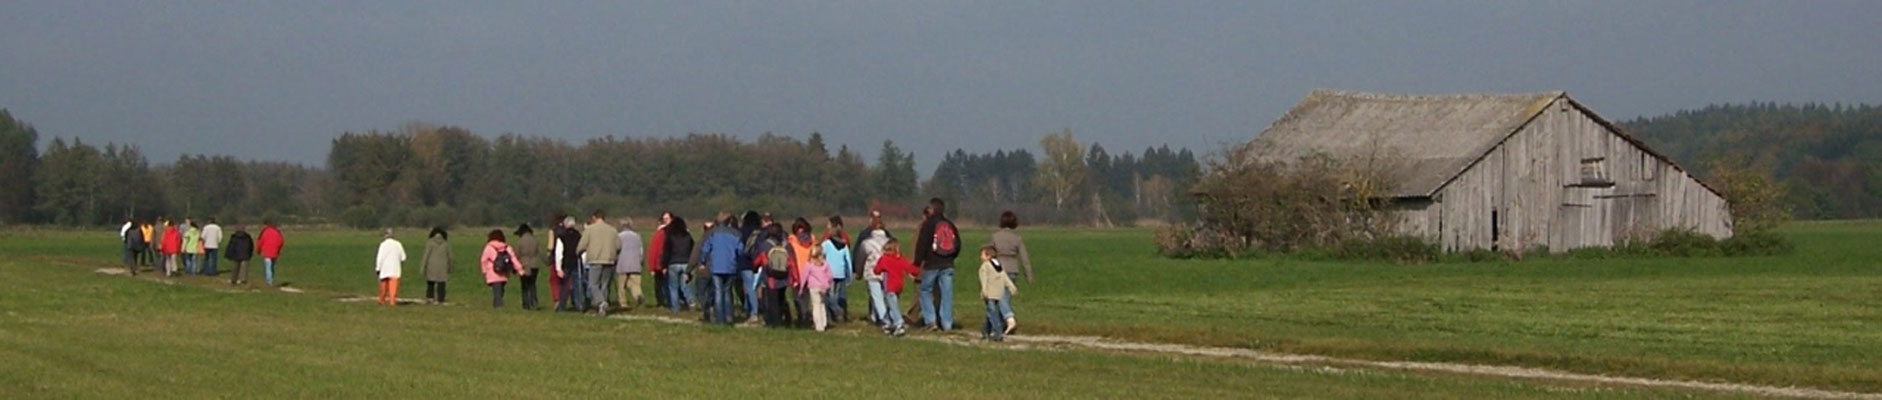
x: 1052, y: 342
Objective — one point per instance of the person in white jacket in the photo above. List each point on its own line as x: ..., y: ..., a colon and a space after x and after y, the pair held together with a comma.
x: 389, y: 264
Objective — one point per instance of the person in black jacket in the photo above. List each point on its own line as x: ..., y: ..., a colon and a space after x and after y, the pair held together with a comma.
x: 239, y: 250
x: 937, y: 269
x: 677, y: 254
x: 574, y: 284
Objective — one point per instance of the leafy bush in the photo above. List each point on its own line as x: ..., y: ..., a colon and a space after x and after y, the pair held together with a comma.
x: 1764, y: 243
x: 1404, y: 249
x: 1682, y: 242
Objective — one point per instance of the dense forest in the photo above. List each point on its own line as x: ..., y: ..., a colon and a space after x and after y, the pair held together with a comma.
x: 425, y: 175
x: 1827, y: 158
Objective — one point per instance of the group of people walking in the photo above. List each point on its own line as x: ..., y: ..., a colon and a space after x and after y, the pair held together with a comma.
x: 738, y: 268
x: 188, y: 248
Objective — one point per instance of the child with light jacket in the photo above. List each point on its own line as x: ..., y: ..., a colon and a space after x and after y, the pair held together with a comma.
x: 994, y: 286
x: 817, y: 282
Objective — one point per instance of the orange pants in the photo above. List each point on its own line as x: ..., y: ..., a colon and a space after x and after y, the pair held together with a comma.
x: 389, y: 291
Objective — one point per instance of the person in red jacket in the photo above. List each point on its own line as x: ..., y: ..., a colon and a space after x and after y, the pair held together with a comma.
x: 172, y: 246
x: 656, y: 256
x: 270, y: 243
x: 892, y: 267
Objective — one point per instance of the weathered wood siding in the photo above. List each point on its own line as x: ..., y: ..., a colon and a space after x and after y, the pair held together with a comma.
x: 1529, y: 191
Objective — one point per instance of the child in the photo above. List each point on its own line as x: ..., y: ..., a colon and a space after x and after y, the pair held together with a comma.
x: 817, y: 281
x: 994, y: 285
x: 892, y: 266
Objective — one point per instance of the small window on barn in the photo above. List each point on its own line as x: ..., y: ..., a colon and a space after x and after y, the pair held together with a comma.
x: 1648, y: 168
x: 1594, y: 172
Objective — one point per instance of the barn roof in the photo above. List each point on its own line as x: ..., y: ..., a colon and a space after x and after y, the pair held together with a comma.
x: 1431, y: 138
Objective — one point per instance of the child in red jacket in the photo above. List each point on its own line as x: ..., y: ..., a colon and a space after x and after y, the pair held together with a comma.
x: 892, y: 266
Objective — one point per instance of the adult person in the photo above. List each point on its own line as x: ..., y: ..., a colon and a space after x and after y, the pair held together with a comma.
x: 498, y: 260
x: 775, y: 267
x: 271, y: 243
x: 133, y: 244
x: 212, y: 242
x: 172, y: 248
x: 799, y: 244
x: 554, y: 260
x: 697, y: 278
x: 390, y: 265
x: 719, y: 253
x: 679, y: 247
x: 192, y: 247
x: 628, y: 264
x: 437, y: 264
x: 600, y: 246
x: 656, y: 260
x: 529, y: 263
x: 750, y: 233
x: 241, y: 248
x: 836, y: 254
x: 936, y: 246
x: 574, y: 298
x: 869, y: 249
x: 1010, y: 249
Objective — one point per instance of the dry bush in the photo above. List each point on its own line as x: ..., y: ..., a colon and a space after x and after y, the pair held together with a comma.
x: 1316, y: 201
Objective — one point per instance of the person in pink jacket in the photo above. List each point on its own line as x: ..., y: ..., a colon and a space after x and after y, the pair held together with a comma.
x: 817, y: 281
x: 498, y: 263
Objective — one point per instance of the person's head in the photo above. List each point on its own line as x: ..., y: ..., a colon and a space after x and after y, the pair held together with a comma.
x: 801, y: 225
x: 875, y: 219
x: 730, y: 221
x: 816, y: 252
x: 937, y: 206
x: 568, y: 222
x: 666, y: 218
x: 194, y: 225
x: 524, y: 229
x: 597, y: 216
x: 836, y: 223
x: 268, y: 223
x: 775, y: 231
x: 676, y: 224
x: 189, y: 220
x: 388, y: 233
x: 707, y: 226
x: 1009, y: 220
x: 212, y: 220
x: 767, y: 220
x: 627, y: 223
x: 496, y: 235
x: 927, y: 211
x: 986, y: 252
x: 241, y: 229
x: 892, y: 247
x: 752, y: 220
x: 438, y: 232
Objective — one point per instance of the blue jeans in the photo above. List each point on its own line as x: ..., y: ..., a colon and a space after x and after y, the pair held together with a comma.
x: 749, y: 278
x: 209, y: 262
x: 1006, y: 299
x: 876, y: 308
x: 837, y: 302
x: 943, y: 281
x: 893, y: 318
x: 574, y: 288
x: 267, y: 265
x: 677, y: 291
x: 996, y: 326
x: 722, y: 297
x: 190, y: 262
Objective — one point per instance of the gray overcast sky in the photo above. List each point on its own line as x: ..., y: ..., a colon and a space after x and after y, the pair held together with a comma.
x: 278, y: 80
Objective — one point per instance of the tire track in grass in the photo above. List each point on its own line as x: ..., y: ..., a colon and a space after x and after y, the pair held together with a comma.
x: 1094, y: 343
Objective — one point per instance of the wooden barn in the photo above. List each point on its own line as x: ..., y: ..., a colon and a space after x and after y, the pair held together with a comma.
x: 1502, y: 171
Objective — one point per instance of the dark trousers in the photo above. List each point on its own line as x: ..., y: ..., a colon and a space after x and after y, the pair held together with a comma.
x: 240, y: 273
x: 496, y: 294
x: 130, y: 260
x: 529, y: 289
x: 803, y: 307
x: 434, y: 291
x: 660, y: 289
x: 774, y: 308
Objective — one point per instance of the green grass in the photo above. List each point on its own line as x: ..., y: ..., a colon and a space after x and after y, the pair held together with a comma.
x: 70, y: 333
x: 1812, y: 318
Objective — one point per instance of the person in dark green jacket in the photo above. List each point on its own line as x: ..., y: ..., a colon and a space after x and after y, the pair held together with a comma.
x: 437, y: 264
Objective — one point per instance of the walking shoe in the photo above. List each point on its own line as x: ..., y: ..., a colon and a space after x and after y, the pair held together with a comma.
x: 1011, y: 324
x: 900, y: 332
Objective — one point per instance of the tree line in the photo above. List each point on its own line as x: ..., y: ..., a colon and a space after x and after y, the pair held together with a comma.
x: 1826, y: 159
x: 431, y: 175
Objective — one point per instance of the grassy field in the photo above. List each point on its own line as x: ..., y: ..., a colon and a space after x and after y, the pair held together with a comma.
x: 1809, y: 319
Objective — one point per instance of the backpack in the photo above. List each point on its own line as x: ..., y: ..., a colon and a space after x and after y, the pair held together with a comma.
x: 503, y: 264
x: 778, y: 259
x: 947, y: 242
